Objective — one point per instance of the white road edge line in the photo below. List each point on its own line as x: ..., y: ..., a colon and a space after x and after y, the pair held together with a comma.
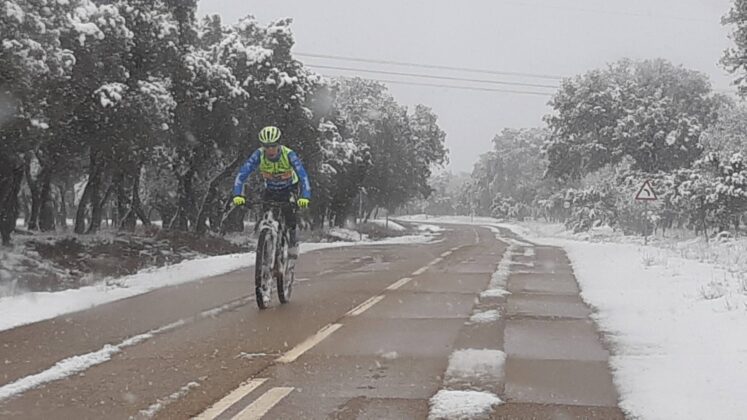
x: 446, y: 254
x: 263, y: 404
x: 310, y: 342
x: 399, y: 283
x: 363, y: 307
x: 232, y: 398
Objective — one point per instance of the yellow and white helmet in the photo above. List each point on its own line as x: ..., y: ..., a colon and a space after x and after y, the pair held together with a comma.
x: 269, y: 135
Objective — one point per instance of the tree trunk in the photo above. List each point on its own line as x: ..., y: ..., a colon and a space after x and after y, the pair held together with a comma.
x: 91, y: 189
x: 98, y: 208
x: 62, y: 210
x: 212, y: 192
x: 33, y: 219
x: 80, y: 214
x: 46, y: 211
x: 122, y: 200
x: 136, y: 206
x: 185, y: 196
x: 11, y: 176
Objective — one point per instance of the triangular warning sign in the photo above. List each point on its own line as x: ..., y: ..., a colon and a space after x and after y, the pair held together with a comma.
x: 646, y: 193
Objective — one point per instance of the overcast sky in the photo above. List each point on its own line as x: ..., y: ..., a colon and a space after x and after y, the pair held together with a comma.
x: 550, y: 37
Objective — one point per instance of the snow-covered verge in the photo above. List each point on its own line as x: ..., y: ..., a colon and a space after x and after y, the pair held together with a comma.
x: 37, y: 306
x: 730, y: 253
x: 390, y: 224
x: 673, y: 313
x: 50, y: 262
x: 675, y: 326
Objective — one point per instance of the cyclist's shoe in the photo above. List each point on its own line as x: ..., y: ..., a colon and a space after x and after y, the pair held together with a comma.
x: 293, y: 243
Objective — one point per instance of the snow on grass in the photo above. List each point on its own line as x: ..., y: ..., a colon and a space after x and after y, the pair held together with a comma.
x: 32, y: 307
x: 430, y: 228
x: 37, y: 306
x: 345, y: 234
x: 475, y: 367
x: 462, y: 405
x: 676, y: 327
x: 392, y: 225
x: 485, y: 317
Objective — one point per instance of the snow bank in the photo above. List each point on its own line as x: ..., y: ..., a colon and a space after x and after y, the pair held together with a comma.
x: 394, y: 226
x: 458, y: 405
x: 37, y: 306
x: 346, y: 234
x: 430, y: 228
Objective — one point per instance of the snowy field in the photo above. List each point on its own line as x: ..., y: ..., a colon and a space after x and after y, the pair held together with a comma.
x: 37, y: 306
x: 674, y: 314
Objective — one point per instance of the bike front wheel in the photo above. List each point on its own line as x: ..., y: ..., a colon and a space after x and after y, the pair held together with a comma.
x: 263, y: 268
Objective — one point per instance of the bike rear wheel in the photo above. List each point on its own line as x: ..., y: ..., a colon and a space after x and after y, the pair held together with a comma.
x: 263, y: 268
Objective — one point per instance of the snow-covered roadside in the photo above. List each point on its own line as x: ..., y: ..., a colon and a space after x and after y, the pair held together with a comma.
x: 38, y: 306
x: 676, y: 327
x: 674, y: 315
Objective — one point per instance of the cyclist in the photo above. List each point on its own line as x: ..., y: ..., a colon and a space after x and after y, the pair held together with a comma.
x: 282, y: 172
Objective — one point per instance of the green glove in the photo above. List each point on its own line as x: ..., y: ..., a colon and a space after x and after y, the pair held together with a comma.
x: 239, y: 200
x: 303, y: 203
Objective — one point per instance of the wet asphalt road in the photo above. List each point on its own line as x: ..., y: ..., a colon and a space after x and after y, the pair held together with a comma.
x: 368, y: 335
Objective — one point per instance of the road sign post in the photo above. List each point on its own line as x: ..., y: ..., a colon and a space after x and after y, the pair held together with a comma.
x: 646, y: 194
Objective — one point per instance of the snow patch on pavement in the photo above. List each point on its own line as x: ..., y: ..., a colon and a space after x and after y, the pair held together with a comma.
x: 494, y: 293
x: 462, y: 405
x: 151, y: 411
x: 497, y: 286
x: 76, y: 364
x: 390, y: 355
x: 472, y: 367
x: 485, y: 317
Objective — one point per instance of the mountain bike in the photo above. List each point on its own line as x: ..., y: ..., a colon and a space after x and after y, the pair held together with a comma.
x: 273, y: 261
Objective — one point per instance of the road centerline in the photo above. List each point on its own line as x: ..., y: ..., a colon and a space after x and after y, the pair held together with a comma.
x: 263, y: 404
x: 308, y: 344
x: 232, y: 398
x: 365, y: 305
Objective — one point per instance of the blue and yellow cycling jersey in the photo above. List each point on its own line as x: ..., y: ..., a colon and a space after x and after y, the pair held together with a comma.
x: 280, y: 174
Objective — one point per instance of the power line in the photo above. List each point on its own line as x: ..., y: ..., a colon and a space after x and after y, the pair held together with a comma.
x: 428, y: 66
x: 400, y: 82
x: 429, y: 76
